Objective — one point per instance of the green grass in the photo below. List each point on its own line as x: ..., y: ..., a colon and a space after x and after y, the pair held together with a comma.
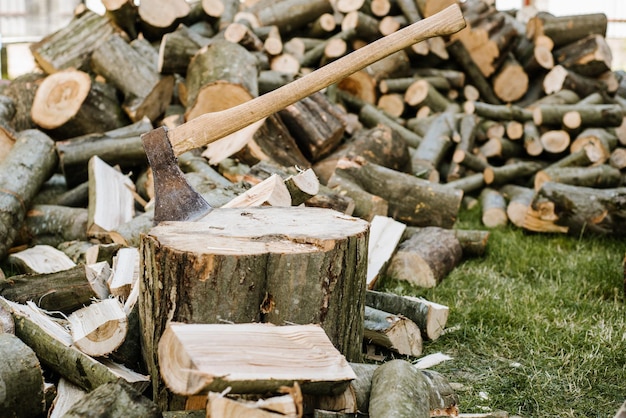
x: 538, y: 324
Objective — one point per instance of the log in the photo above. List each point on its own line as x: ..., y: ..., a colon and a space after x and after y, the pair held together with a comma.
x: 560, y: 78
x: 510, y: 81
x: 396, y: 333
x: 289, y: 15
x: 53, y: 345
x: 306, y: 357
x: 579, y: 209
x: 598, y: 143
x: 587, y: 115
x: 121, y: 147
x: 430, y: 317
x: 63, y: 291
x: 72, y: 45
x: 68, y: 104
x: 125, y: 272
x: 498, y: 176
x: 566, y: 29
x: 292, y: 245
x: 157, y: 17
x: 31, y: 161
x: 426, y: 258
x: 67, y: 394
x: 601, y: 176
x: 22, y: 379
x: 177, y: 48
x: 53, y: 225
x: 124, y: 14
x: 412, y: 200
x: 146, y: 92
x: 519, y: 200
x: 589, y: 56
x: 398, y: 390
x: 114, y: 399
x: 316, y: 140
x: 493, y: 206
x: 366, y: 205
x: 434, y: 147
x: 221, y: 75
x: 99, y: 328
x: 285, y: 406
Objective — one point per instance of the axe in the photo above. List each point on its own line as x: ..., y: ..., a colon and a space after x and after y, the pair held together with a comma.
x: 175, y: 199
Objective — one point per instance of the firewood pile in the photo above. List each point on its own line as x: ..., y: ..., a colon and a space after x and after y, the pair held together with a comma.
x: 519, y: 112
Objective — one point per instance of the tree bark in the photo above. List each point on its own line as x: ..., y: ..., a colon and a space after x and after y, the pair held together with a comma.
x: 399, y: 390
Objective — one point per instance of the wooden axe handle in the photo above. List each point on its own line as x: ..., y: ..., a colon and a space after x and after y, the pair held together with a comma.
x: 210, y: 127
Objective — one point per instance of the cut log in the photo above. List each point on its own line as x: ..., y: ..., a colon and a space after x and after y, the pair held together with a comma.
x: 72, y: 46
x: 53, y: 225
x: 177, y: 48
x: 22, y: 377
x: 194, y: 360
x: 399, y: 390
x: 510, y: 81
x: 366, y: 205
x: 493, y: 207
x: 221, y: 75
x: 124, y: 14
x: 430, y: 317
x: 271, y: 191
x: 146, y: 92
x: 289, y: 15
x: 498, y: 176
x: 53, y: 345
x: 396, y: 333
x: 412, y: 200
x: 437, y: 141
x: 560, y: 78
x: 285, y: 406
x: 385, y: 234
x: 111, y: 202
x: 587, y: 115
x: 519, y: 201
x: 67, y: 394
x: 589, y: 56
x: 157, y: 17
x: 597, y: 142
x: 30, y: 163
x: 426, y: 258
x: 63, y: 291
x: 287, y: 273
x: 115, y: 399
x: 99, y: 328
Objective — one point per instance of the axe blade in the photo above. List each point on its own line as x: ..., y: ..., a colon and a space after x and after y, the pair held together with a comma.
x: 175, y: 199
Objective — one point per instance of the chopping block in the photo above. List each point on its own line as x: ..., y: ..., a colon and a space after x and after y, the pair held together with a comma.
x: 282, y: 265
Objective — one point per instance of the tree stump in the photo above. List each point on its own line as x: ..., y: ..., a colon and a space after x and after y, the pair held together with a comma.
x: 268, y: 264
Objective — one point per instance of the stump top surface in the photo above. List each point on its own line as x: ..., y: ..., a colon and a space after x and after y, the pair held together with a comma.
x: 261, y: 230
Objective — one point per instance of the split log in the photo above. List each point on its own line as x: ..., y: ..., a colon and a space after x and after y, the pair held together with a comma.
x: 116, y: 399
x: 99, y: 328
x: 412, y: 200
x: 306, y: 357
x: 125, y: 272
x: 285, y: 406
x: 120, y: 146
x: 40, y: 259
x: 22, y: 377
x: 426, y: 258
x: 53, y: 346
x: 385, y: 234
x: 146, y: 92
x: 337, y: 248
x: 30, y: 163
x: 398, y: 389
x: 396, y: 333
x: 430, y: 317
x: 67, y: 394
x: 72, y: 45
x: 63, y: 291
x: 69, y: 103
x: 111, y: 202
x: 271, y: 191
x: 579, y: 209
x: 220, y: 75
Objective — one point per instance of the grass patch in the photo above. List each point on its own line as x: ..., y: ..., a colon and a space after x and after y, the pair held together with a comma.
x: 537, y: 326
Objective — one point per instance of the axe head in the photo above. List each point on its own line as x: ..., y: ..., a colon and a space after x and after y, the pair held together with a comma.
x: 175, y: 199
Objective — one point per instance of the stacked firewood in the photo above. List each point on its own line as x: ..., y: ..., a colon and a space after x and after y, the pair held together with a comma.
x: 513, y: 112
